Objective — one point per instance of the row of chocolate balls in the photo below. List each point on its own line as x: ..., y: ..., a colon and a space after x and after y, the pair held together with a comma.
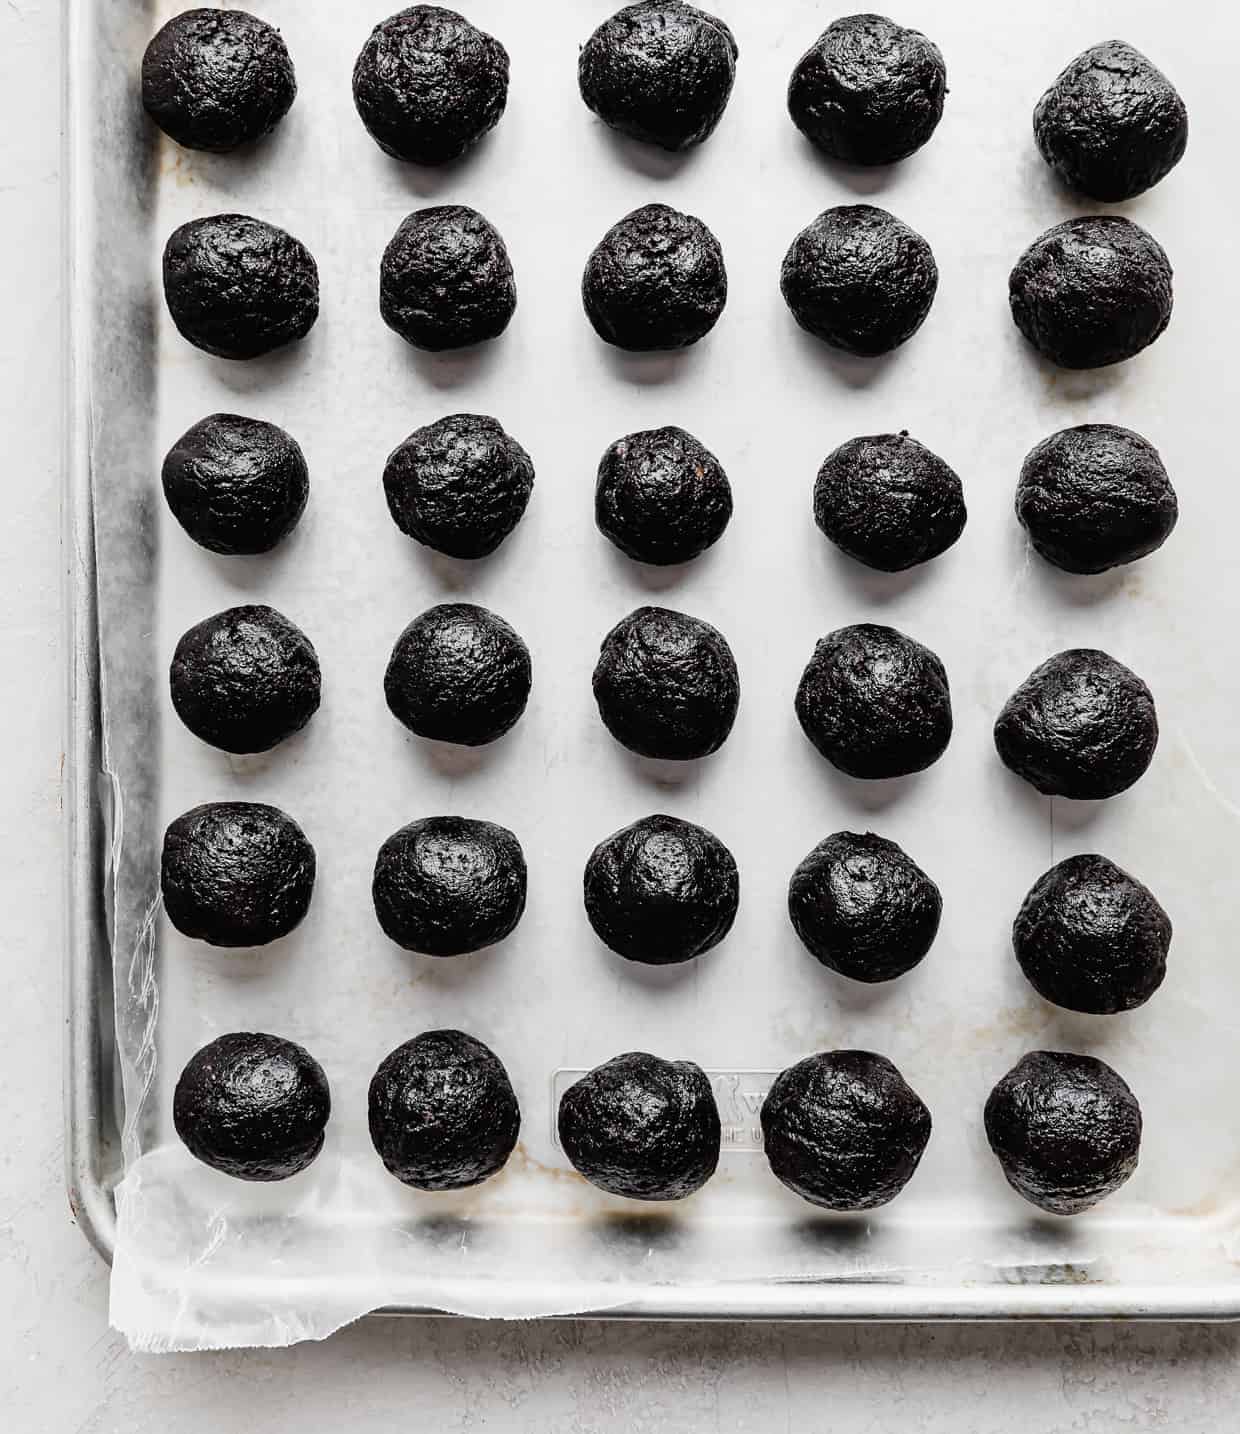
x: 1089, y: 937
x: 428, y: 85
x: 873, y: 701
x: 842, y: 1129
x: 1091, y: 497
x: 1089, y: 292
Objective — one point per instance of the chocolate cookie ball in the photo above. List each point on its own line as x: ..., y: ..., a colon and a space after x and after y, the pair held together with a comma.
x: 428, y: 84
x: 459, y: 485
x: 446, y: 279
x: 859, y: 279
x: 662, y: 497
x: 1092, y: 938
x: 236, y: 485
x: 237, y: 287
x: 655, y: 281
x: 868, y: 91
x: 1112, y: 124
x: 661, y: 891
x: 1095, y: 497
x: 1091, y: 292
x: 642, y: 1127
x: 443, y: 1113
x: 874, y: 702
x: 666, y: 685
x: 844, y: 1130
x: 458, y: 674
x: 245, y: 679
x: 253, y: 1106
x: 1066, y: 1130
x: 863, y: 907
x: 1081, y: 725
x: 888, y: 502
x: 236, y: 874
x: 660, y: 72
x: 444, y: 886
x: 217, y: 79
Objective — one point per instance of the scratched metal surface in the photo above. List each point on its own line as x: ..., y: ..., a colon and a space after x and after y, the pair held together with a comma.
x: 203, y: 1261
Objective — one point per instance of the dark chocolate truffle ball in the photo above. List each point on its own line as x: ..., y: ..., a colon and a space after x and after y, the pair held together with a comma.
x: 868, y: 91
x: 1080, y: 725
x: 1112, y: 124
x: 1092, y: 938
x: 1091, y: 292
x: 245, y: 679
x: 443, y: 1113
x: 236, y: 873
x: 859, y: 279
x: 458, y: 673
x: 459, y: 485
x: 888, y: 502
x: 217, y: 79
x: 1094, y: 497
x: 447, y: 885
x: 662, y: 497
x: 1065, y: 1128
x: 655, y: 281
x: 874, y: 702
x: 253, y: 1106
x: 446, y: 279
x: 863, y: 907
x: 844, y: 1130
x: 666, y: 684
x: 428, y: 84
x: 659, y: 71
x: 237, y: 287
x: 642, y: 1127
x: 236, y: 485
x: 661, y: 891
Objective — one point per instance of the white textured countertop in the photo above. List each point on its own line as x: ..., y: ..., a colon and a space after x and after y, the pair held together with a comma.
x: 60, y: 1367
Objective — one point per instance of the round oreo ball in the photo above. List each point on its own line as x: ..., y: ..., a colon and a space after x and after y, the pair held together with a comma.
x: 660, y: 72
x: 245, y: 679
x: 1066, y: 1129
x: 1112, y: 125
x: 655, y: 281
x: 458, y: 673
x: 888, y: 502
x: 863, y: 907
x: 253, y: 1106
x: 666, y: 685
x: 661, y: 497
x: 661, y: 891
x: 444, y: 886
x: 1091, y: 292
x: 459, y: 485
x: 443, y: 1113
x: 868, y: 91
x: 1095, y: 497
x: 859, y: 279
x: 642, y: 1127
x: 238, y: 287
x: 428, y: 84
x: 446, y: 281
x: 844, y: 1130
x: 1091, y: 938
x: 217, y: 79
x: 236, y: 874
x: 236, y: 485
x: 1081, y: 725
x: 874, y: 702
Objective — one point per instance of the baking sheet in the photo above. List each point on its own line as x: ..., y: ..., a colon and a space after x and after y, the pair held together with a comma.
x: 202, y: 1261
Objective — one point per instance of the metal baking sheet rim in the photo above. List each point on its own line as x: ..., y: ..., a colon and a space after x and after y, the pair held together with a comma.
x: 90, y: 1124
